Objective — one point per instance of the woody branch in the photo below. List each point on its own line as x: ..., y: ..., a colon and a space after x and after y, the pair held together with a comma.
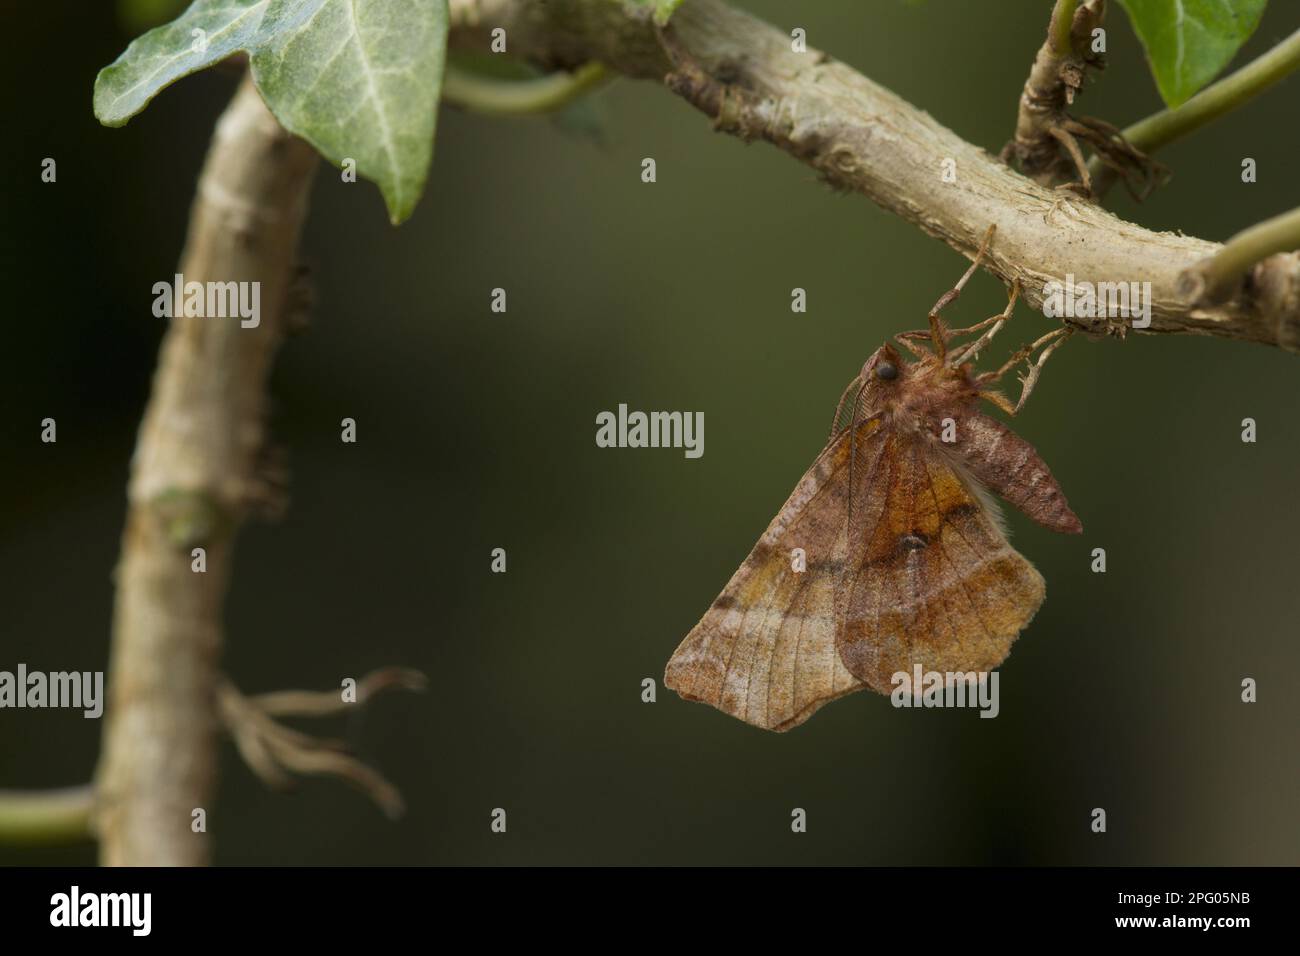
x: 192, y: 481
x: 199, y: 470
x: 743, y: 74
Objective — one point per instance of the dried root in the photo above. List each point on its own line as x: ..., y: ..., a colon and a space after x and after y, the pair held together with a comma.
x: 275, y: 752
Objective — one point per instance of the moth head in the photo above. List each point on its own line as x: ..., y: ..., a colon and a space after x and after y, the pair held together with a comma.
x: 885, y: 367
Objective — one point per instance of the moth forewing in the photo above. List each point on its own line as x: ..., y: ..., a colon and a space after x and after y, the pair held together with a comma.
x: 765, y: 650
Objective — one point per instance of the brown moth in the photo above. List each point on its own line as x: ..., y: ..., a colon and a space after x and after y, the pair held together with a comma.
x: 904, y: 560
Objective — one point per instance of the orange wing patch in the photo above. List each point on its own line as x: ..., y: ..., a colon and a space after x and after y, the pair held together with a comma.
x: 937, y: 584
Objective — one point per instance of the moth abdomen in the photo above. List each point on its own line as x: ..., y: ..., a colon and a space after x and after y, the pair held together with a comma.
x: 1009, y: 466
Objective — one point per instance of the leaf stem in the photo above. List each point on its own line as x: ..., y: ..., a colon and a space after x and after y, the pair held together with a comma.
x: 519, y: 97
x: 1237, y: 89
x: 1214, y: 279
x: 46, y: 816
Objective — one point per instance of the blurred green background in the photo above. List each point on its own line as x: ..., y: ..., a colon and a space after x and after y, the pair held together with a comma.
x: 476, y: 431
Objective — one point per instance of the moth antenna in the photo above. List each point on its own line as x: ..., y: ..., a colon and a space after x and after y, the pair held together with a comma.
x: 853, y: 454
x: 836, y: 427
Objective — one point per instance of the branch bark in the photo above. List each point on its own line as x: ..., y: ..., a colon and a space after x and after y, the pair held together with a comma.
x: 743, y: 74
x: 193, y: 478
x: 1054, y: 79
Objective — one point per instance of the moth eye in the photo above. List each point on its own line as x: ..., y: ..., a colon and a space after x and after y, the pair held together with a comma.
x: 887, y: 370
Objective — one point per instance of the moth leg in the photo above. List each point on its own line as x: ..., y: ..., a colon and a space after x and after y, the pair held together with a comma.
x: 938, y: 334
x: 1020, y: 355
x: 1013, y: 294
x: 1030, y: 378
x: 1000, y: 400
x: 1052, y: 340
x: 970, y: 352
x: 904, y: 339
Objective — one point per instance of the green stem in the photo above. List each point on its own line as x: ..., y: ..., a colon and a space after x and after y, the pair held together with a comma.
x: 1208, y: 105
x: 519, y: 97
x: 1062, y: 21
x: 46, y: 816
x: 1221, y: 272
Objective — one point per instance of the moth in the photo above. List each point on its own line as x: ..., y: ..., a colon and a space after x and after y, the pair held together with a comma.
x: 890, y: 552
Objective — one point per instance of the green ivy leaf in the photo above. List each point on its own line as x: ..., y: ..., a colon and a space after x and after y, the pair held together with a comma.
x: 663, y: 9
x: 1189, y: 41
x: 358, y: 79
x: 165, y: 54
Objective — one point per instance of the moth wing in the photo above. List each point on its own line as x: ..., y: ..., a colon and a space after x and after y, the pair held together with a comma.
x: 765, y: 651
x: 935, y: 582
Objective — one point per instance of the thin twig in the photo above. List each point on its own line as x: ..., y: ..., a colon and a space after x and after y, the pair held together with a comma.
x: 46, y: 816
x: 1040, y: 147
x: 520, y: 97
x: 1217, y: 278
x: 1060, y: 25
x: 1229, y: 93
